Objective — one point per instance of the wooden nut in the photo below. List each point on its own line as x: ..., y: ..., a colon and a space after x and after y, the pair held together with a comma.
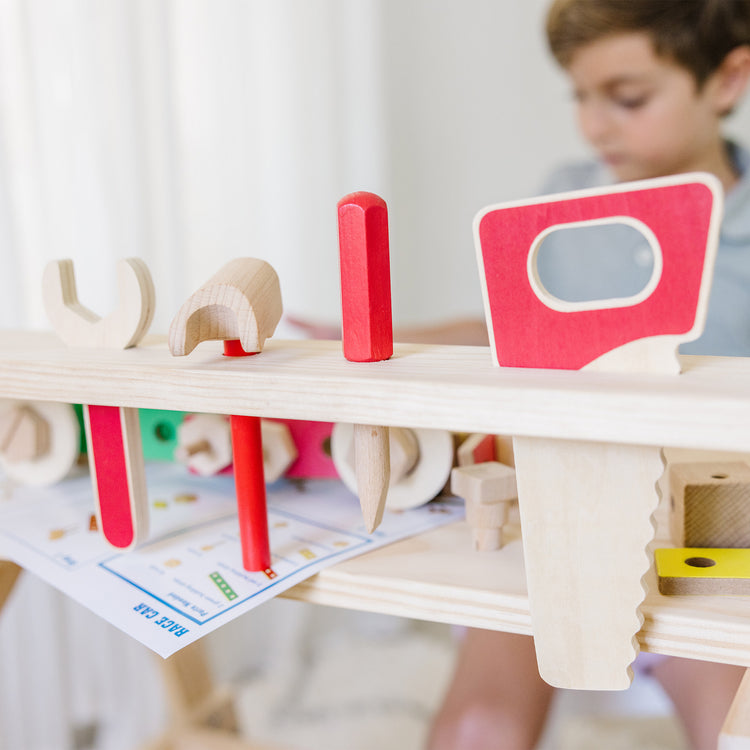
x: 24, y: 434
x: 279, y: 450
x: 204, y: 443
x: 490, y: 481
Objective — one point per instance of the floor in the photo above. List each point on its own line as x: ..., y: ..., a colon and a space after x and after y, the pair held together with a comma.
x: 352, y: 681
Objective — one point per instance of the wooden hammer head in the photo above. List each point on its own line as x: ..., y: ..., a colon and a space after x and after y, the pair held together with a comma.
x: 241, y: 301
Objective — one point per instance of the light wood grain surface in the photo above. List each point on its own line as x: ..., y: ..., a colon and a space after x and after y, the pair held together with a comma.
x: 436, y: 576
x: 444, y: 387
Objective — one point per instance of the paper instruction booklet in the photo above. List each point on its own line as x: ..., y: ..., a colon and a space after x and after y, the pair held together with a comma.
x: 188, y: 579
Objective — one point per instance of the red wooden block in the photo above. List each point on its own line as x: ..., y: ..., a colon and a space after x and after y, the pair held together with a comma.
x: 528, y: 328
x: 365, y: 278
x: 478, y: 448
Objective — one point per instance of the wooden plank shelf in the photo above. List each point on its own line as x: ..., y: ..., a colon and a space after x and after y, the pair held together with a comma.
x: 446, y: 387
x: 435, y: 576
x: 438, y: 577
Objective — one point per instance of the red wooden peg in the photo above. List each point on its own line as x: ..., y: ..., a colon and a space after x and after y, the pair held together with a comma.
x: 365, y: 278
x: 249, y: 483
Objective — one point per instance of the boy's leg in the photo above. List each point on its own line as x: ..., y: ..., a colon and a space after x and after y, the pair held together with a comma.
x: 702, y: 692
x: 496, y: 698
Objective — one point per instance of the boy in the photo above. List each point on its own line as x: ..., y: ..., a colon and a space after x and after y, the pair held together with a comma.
x: 653, y: 80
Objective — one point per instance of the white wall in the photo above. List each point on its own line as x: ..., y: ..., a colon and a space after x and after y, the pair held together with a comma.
x: 189, y: 133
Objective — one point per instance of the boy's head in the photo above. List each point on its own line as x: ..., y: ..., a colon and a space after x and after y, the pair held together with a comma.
x: 653, y: 78
x: 695, y: 34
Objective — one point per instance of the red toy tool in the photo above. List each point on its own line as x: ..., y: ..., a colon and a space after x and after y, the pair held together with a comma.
x: 530, y: 328
x: 365, y: 278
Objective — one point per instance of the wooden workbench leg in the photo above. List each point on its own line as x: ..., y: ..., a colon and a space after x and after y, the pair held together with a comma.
x: 735, y: 734
x: 586, y: 522
x: 191, y: 693
x: 9, y: 573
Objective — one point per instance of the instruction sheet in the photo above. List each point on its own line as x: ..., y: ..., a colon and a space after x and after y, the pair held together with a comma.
x: 187, y: 579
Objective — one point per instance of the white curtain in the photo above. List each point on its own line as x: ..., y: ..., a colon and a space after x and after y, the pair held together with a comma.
x: 190, y: 132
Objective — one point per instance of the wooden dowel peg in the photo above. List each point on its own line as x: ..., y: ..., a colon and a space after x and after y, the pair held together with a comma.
x: 367, y: 327
x: 420, y: 463
x: 249, y: 482
x: 247, y: 446
x: 373, y: 466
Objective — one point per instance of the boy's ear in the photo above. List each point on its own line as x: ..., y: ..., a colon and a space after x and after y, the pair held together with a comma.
x: 732, y: 78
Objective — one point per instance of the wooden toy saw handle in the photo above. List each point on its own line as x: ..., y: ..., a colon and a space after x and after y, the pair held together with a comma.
x: 586, y: 507
x: 679, y: 216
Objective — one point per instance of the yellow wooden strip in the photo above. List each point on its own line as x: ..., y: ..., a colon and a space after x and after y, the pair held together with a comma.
x: 694, y: 562
x: 703, y: 570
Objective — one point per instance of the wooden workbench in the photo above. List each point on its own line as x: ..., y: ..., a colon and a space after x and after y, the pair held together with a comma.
x: 435, y: 576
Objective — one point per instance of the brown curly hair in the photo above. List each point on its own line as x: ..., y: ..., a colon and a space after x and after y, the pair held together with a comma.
x: 696, y: 34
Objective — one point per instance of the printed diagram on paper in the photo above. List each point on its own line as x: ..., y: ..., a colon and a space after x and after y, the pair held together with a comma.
x: 188, y: 578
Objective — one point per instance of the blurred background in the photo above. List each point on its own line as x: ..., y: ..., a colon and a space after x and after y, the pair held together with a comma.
x: 190, y: 132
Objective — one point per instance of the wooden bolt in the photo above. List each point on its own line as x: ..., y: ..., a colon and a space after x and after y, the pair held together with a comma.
x: 404, y: 453
x: 24, y: 434
x: 488, y: 489
x: 279, y: 450
x: 204, y: 443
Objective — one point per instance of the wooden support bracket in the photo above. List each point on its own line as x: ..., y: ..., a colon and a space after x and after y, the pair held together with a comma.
x: 735, y: 733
